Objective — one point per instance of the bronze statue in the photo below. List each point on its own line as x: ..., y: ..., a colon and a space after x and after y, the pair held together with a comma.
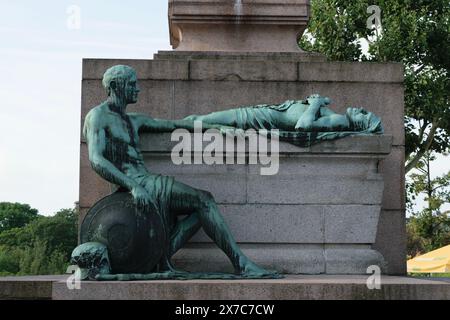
x: 302, y: 123
x: 290, y: 116
x: 112, y: 137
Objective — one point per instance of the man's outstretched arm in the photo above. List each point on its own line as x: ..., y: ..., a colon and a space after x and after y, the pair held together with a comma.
x: 148, y: 124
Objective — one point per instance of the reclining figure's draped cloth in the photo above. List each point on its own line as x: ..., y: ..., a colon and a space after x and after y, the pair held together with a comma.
x: 259, y: 117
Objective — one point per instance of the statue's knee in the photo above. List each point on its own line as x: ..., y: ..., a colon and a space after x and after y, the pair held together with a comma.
x: 206, y: 197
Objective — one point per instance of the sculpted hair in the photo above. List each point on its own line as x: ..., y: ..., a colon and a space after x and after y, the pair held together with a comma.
x: 119, y: 74
x: 371, y: 123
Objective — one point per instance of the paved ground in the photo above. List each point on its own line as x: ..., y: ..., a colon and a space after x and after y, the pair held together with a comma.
x: 293, y: 287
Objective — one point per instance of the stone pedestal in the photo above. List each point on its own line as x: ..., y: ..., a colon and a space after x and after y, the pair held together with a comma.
x: 318, y: 214
x: 237, y: 25
x: 328, y: 287
x: 327, y: 226
x: 323, y: 287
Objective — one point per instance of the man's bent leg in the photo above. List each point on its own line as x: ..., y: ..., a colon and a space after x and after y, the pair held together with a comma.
x: 186, y: 199
x: 183, y: 231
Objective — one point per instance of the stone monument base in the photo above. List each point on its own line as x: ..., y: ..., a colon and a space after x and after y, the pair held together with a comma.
x: 317, y: 215
x: 298, y: 258
x: 293, y: 287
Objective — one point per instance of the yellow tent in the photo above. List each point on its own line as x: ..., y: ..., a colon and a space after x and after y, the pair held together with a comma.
x: 436, y: 261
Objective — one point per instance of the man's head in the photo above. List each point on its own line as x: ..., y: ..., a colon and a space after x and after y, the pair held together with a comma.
x: 121, y: 82
x: 361, y: 120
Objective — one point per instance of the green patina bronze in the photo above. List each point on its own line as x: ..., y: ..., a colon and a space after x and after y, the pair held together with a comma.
x: 133, y: 233
x: 302, y: 123
x: 112, y: 137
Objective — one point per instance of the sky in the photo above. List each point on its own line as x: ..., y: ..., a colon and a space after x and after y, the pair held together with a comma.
x: 42, y: 44
x: 41, y: 50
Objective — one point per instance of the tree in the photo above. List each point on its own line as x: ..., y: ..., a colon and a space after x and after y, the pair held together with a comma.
x: 43, y: 246
x: 428, y: 229
x: 59, y: 232
x: 414, y: 32
x: 9, y: 261
x: 436, y: 190
x: 426, y: 232
x: 15, y: 215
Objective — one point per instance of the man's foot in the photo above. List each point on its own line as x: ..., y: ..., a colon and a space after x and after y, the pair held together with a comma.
x: 249, y: 269
x: 166, y: 266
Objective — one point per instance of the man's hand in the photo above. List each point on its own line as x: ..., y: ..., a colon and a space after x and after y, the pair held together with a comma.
x: 142, y: 198
x: 312, y: 113
x: 317, y: 99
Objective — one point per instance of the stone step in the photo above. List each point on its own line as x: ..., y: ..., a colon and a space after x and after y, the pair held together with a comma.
x: 290, y: 288
x: 293, y: 287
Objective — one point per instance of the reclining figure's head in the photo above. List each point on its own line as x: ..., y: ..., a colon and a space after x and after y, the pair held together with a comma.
x: 361, y: 120
x: 120, y: 83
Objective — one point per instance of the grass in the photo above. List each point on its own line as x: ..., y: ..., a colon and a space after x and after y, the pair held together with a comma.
x: 430, y: 275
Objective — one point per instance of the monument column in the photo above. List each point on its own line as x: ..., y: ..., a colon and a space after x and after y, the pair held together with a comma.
x: 237, y: 25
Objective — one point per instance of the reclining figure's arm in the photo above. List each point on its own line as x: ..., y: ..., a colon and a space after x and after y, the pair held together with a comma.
x: 317, y: 117
x: 312, y: 113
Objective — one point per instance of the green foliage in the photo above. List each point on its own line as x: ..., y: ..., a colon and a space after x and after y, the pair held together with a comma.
x: 9, y: 261
x: 415, y: 243
x: 336, y: 26
x: 43, y: 246
x: 414, y: 32
x: 15, y: 215
x: 426, y: 232
x: 429, y: 229
x: 436, y: 190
